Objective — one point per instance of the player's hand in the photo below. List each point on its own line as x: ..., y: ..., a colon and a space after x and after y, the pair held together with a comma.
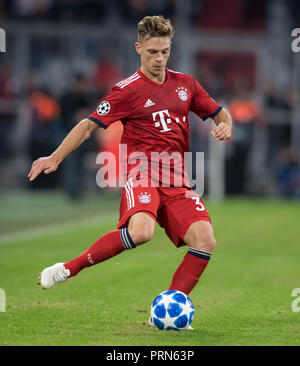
x: 47, y: 165
x: 221, y: 132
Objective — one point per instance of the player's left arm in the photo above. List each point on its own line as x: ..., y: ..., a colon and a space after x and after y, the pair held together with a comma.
x: 223, y: 121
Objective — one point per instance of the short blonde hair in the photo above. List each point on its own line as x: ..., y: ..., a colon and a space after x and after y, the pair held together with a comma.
x: 154, y: 26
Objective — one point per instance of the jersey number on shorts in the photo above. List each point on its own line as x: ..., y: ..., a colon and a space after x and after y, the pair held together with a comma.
x: 198, y: 203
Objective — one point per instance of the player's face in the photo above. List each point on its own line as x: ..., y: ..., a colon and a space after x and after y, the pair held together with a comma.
x: 154, y: 53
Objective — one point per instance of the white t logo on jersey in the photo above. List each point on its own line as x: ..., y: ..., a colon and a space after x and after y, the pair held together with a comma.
x: 162, y: 121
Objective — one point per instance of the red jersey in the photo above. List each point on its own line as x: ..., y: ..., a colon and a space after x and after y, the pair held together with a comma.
x: 155, y: 118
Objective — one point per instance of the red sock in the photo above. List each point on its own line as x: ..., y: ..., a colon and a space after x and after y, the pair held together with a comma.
x: 191, y: 268
x: 104, y: 248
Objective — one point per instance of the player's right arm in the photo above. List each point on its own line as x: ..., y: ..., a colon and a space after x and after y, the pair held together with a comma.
x: 112, y: 108
x: 81, y: 132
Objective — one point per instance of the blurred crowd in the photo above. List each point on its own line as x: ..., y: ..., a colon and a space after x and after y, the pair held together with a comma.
x: 36, y: 115
x: 248, y: 14
x: 82, y: 11
x: 268, y: 112
x: 45, y: 115
x: 241, y: 14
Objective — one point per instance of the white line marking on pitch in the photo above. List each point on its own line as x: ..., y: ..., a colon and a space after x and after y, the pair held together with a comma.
x: 55, y: 229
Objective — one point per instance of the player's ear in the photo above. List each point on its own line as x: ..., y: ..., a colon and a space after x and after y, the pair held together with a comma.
x: 138, y: 47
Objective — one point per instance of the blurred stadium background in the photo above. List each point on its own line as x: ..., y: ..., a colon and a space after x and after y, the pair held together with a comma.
x: 63, y: 56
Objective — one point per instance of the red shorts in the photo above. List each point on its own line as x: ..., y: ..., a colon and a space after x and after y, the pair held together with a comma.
x: 174, y: 209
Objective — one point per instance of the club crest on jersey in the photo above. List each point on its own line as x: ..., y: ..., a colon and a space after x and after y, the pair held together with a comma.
x: 144, y: 197
x: 182, y: 93
x: 103, y: 108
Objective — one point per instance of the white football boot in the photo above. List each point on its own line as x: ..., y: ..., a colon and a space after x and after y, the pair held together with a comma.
x: 53, y: 275
x: 151, y: 323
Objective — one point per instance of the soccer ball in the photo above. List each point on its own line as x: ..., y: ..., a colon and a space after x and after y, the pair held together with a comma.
x: 172, y: 310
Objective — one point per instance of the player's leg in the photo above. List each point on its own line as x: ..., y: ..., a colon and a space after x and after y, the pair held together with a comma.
x: 136, y: 226
x: 187, y: 222
x: 200, y: 236
x: 201, y: 243
x: 107, y: 246
x: 141, y: 227
x: 140, y: 230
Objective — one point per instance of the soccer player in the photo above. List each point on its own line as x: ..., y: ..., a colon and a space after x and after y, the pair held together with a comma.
x: 153, y: 105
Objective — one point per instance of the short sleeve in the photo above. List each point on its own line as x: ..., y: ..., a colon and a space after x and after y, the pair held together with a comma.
x: 203, y: 104
x: 113, y: 107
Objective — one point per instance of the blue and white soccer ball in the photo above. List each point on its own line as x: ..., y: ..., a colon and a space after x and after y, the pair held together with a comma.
x: 172, y: 310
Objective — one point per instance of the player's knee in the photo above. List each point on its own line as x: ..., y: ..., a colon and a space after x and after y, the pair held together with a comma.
x: 200, y: 236
x: 210, y: 244
x: 141, y: 235
x: 206, y: 244
x: 141, y: 228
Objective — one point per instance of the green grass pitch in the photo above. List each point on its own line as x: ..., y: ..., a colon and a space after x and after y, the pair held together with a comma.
x: 243, y: 298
